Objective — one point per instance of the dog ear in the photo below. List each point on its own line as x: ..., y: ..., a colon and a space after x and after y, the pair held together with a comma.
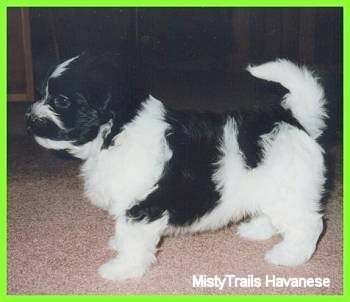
x: 113, y: 84
x: 97, y: 99
x: 98, y: 102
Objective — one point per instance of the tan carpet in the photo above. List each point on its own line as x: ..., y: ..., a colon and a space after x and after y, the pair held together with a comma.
x: 57, y: 240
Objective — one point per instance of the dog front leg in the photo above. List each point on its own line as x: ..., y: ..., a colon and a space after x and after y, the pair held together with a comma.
x: 136, y: 243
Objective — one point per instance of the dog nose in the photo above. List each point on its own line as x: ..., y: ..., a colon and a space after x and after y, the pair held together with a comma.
x: 29, y: 130
x: 27, y: 117
x: 29, y: 120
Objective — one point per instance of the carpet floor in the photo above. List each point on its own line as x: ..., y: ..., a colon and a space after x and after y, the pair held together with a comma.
x: 57, y: 240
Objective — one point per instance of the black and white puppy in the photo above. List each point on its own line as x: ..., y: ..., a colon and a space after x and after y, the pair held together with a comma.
x: 161, y: 172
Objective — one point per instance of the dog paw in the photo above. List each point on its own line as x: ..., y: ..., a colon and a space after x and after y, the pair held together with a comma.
x: 258, y: 228
x: 283, y: 254
x: 117, y: 270
x: 112, y: 243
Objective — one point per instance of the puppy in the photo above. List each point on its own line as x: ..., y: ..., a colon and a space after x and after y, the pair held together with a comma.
x: 159, y: 171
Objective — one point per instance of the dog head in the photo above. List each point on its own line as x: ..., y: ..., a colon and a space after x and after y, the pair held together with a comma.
x: 82, y: 94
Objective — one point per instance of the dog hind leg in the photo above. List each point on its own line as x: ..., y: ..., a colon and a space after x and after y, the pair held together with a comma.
x: 299, y: 241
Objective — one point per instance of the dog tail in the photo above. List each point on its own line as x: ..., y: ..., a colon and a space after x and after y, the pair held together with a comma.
x: 306, y: 97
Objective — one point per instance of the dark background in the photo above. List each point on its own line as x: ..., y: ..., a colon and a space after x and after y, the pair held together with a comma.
x: 190, y: 39
x: 194, y: 55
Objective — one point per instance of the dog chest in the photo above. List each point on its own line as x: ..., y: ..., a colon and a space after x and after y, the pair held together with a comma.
x: 125, y: 173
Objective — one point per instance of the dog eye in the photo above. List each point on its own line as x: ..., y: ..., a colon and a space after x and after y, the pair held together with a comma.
x: 61, y: 102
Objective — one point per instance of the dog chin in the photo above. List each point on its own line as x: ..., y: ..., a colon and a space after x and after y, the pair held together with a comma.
x: 81, y: 151
x: 52, y: 144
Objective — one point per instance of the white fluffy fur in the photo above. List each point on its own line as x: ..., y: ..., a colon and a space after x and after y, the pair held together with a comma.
x: 306, y: 98
x: 282, y: 193
x: 258, y: 228
x: 61, y: 68
x: 136, y: 244
x: 129, y: 170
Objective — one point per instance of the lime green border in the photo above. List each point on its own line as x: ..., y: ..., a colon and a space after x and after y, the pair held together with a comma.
x: 198, y: 3
x: 3, y: 154
x: 214, y: 3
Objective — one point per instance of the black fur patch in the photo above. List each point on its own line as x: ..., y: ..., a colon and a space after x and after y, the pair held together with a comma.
x: 186, y: 190
x: 252, y: 124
